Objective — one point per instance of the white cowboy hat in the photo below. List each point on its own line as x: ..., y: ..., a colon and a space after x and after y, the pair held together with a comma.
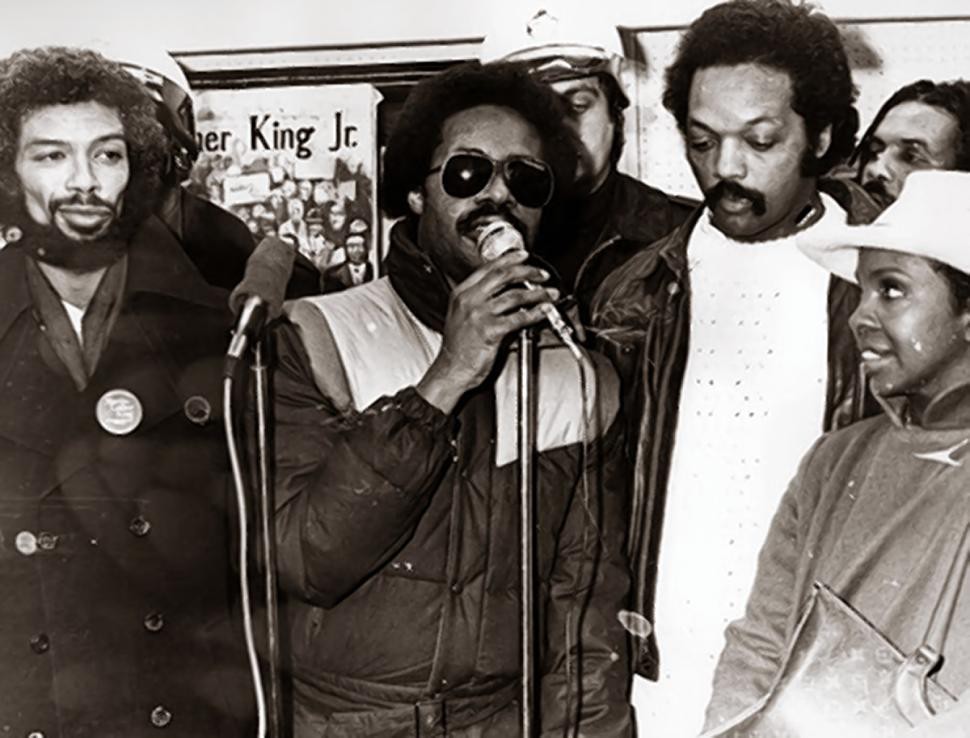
x: 931, y: 218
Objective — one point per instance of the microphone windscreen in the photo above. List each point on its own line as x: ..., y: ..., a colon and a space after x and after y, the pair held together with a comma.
x: 267, y: 272
x: 497, y: 238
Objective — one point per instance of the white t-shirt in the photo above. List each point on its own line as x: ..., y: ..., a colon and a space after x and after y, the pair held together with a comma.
x: 752, y: 402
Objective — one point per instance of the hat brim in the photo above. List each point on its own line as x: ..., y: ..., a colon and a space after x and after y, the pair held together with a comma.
x: 837, y: 248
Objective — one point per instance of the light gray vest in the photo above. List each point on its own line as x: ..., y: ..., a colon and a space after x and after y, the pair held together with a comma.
x: 383, y: 348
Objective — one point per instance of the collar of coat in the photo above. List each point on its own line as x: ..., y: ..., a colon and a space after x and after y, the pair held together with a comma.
x: 949, y: 410
x: 156, y: 264
x: 634, y: 204
x: 416, y: 278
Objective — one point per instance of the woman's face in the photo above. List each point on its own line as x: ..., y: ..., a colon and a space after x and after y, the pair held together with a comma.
x: 913, y: 337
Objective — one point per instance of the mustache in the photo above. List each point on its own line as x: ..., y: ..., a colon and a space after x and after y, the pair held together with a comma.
x: 466, y: 223
x: 725, y: 188
x: 79, y: 199
x: 878, y: 191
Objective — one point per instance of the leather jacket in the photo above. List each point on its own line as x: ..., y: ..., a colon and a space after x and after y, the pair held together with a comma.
x: 641, y: 319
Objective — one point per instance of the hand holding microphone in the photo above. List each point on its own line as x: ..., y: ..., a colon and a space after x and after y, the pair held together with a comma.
x: 499, y: 238
x: 482, y: 311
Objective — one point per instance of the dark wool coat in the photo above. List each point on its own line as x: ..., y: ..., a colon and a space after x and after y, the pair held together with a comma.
x: 115, y: 618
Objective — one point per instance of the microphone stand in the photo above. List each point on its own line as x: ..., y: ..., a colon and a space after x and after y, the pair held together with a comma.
x: 526, y: 411
x: 267, y: 550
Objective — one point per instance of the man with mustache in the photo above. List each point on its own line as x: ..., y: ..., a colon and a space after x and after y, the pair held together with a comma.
x: 924, y: 125
x: 113, y: 522
x: 733, y: 346
x: 396, y: 457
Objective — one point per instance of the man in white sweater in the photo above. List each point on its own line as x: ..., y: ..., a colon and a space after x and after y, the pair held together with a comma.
x: 733, y: 346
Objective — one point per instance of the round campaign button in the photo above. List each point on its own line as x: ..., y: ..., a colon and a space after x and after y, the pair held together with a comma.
x: 26, y: 543
x: 119, y: 412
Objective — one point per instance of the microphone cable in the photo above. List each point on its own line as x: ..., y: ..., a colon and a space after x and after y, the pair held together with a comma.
x: 243, y: 529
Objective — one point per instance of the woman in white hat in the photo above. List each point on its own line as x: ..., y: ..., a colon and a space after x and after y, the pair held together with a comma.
x: 872, y: 532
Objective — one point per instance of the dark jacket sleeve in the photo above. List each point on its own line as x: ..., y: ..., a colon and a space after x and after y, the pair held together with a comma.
x: 586, y: 665
x: 350, y: 488
x: 756, y: 644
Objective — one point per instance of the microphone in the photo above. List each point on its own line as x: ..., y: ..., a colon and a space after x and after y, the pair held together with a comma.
x: 259, y: 296
x: 499, y: 237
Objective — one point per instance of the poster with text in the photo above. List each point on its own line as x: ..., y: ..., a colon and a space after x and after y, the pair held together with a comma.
x: 300, y: 163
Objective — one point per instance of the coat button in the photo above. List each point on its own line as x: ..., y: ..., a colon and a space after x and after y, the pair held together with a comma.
x: 456, y: 588
x: 139, y: 526
x: 161, y: 717
x: 197, y: 409
x: 154, y: 622
x: 47, y: 541
x: 40, y: 643
x: 26, y: 543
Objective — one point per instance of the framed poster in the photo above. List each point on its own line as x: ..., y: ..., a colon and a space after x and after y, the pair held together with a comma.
x: 298, y: 162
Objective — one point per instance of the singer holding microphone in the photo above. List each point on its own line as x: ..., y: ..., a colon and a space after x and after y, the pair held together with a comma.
x: 396, y: 449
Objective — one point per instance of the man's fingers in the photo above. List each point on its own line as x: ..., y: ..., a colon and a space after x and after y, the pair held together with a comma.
x: 497, y: 275
x: 522, y: 318
x: 514, y: 299
x: 516, y: 256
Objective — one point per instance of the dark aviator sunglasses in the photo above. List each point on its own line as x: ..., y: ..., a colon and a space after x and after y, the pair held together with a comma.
x: 465, y: 175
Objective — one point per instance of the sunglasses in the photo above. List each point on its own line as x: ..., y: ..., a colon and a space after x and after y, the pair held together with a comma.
x: 529, y: 181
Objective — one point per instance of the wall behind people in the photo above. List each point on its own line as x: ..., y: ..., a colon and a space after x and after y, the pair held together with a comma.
x: 250, y: 24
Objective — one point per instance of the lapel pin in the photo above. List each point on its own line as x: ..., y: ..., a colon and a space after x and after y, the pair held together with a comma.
x: 119, y: 412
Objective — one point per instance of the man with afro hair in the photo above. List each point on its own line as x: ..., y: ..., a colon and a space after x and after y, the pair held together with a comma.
x: 733, y: 346
x: 398, y: 535
x: 113, y: 521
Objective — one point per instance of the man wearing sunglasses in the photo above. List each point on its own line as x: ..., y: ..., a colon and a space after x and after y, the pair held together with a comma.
x: 396, y: 451
x: 611, y: 216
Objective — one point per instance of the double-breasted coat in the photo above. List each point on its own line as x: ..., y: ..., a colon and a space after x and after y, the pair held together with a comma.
x: 117, y: 591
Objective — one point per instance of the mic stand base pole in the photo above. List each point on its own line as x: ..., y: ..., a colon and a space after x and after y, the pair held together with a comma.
x: 526, y: 448
x: 267, y: 509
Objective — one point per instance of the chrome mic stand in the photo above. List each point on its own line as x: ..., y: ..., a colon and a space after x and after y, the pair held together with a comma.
x: 267, y: 550
x: 526, y: 411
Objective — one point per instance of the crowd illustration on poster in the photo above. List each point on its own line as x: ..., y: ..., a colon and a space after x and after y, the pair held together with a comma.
x: 297, y: 163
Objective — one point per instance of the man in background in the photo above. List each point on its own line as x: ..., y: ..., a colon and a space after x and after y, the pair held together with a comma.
x: 609, y: 216
x: 356, y: 270
x: 216, y: 241
x: 924, y: 125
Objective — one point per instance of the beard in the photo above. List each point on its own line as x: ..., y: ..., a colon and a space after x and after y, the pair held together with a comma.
x: 49, y: 244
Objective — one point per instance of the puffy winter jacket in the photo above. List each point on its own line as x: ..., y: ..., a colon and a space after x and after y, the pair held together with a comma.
x: 397, y: 525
